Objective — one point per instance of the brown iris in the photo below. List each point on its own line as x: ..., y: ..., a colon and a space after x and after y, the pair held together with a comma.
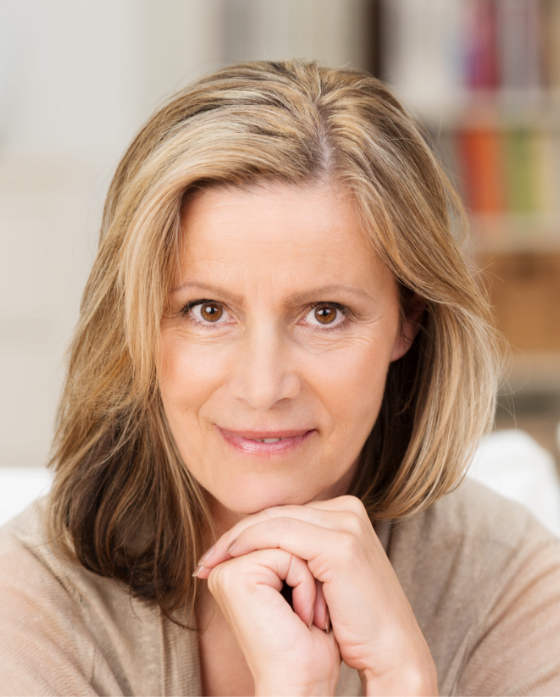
x: 211, y: 312
x: 325, y: 314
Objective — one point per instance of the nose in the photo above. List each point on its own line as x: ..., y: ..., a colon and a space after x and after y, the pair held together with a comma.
x: 264, y: 373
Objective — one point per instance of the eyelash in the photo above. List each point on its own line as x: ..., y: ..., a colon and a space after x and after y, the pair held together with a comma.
x: 341, y: 325
x: 326, y: 328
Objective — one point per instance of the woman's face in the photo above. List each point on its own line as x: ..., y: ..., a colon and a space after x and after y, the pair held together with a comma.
x: 281, y: 327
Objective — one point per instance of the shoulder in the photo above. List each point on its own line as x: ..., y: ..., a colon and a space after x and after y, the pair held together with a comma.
x: 478, y: 528
x: 471, y: 518
x: 66, y: 630
x: 464, y: 543
x: 30, y: 562
x: 482, y: 574
x: 41, y: 625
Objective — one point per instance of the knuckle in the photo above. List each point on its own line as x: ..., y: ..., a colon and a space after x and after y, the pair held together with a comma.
x: 275, y: 527
x: 214, y: 579
x: 354, y: 504
x: 349, y: 545
x: 353, y: 523
x: 222, y: 577
x: 283, y: 525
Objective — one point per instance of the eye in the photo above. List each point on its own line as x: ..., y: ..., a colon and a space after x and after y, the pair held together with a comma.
x: 326, y: 315
x: 207, y: 312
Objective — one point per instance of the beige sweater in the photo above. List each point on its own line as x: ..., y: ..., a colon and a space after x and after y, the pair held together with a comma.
x: 482, y: 575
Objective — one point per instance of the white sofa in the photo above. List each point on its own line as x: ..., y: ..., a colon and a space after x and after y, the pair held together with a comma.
x: 517, y: 467
x: 19, y: 486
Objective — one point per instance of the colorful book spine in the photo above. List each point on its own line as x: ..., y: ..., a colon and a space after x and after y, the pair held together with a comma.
x: 545, y: 151
x: 519, y: 44
x: 481, y: 45
x: 502, y: 59
x: 550, y: 18
x: 520, y: 171
x: 510, y: 171
x: 481, y: 166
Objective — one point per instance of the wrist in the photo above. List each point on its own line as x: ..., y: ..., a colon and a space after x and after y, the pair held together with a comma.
x: 269, y: 688
x: 317, y: 690
x: 411, y: 680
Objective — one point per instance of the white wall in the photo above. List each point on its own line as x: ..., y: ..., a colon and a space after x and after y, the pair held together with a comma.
x: 331, y: 31
x: 77, y: 78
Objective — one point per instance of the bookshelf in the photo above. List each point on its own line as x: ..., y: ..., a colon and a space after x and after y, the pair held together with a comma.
x: 484, y: 77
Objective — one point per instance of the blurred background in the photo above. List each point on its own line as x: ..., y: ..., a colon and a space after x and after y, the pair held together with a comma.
x: 79, y: 77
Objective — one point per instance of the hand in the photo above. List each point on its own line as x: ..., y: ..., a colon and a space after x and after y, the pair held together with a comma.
x: 284, y: 651
x: 372, y: 620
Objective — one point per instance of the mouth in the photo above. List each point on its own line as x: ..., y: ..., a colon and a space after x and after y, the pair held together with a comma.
x: 266, y: 442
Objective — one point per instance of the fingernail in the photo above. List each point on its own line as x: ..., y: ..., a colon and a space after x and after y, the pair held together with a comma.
x: 328, y: 623
x: 311, y: 620
x: 197, y: 570
x: 232, y: 545
x: 205, y: 556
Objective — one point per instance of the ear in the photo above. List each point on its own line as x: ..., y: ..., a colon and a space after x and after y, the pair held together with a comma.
x: 413, y: 315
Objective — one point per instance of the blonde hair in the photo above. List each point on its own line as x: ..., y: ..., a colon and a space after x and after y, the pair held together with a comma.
x: 123, y: 501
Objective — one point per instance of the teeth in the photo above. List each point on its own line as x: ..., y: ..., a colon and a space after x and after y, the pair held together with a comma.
x: 268, y: 440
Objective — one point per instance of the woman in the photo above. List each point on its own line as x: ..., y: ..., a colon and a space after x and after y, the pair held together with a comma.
x: 282, y: 362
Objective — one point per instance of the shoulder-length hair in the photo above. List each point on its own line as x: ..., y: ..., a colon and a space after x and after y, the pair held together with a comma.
x: 123, y: 503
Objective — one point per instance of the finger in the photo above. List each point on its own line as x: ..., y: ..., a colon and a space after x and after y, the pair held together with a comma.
x: 342, y: 513
x: 352, y: 504
x: 304, y: 590
x: 269, y: 567
x: 220, y: 551
x: 323, y: 549
x: 321, y: 613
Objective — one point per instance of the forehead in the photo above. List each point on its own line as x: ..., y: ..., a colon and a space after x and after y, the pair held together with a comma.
x: 277, y: 230
x: 271, y: 208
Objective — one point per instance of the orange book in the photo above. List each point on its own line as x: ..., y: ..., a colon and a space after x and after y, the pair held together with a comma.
x: 482, y: 169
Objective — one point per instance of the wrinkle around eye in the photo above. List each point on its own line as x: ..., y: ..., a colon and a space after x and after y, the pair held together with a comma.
x: 336, y: 342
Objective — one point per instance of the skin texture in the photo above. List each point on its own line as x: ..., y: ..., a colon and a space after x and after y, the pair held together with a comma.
x: 298, y: 325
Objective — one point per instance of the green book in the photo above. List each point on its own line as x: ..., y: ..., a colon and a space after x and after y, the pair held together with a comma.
x: 520, y: 179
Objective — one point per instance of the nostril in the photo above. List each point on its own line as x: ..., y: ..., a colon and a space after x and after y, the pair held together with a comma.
x: 263, y: 381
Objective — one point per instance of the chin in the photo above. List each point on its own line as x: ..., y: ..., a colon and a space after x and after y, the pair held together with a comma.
x: 250, y: 500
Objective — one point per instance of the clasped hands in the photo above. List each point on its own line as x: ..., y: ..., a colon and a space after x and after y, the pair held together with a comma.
x: 328, y: 552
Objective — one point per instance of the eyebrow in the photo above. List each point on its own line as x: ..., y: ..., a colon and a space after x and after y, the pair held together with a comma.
x: 294, y: 299
x: 308, y: 295
x: 213, y: 290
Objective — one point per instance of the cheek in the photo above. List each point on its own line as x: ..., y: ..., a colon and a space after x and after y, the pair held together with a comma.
x: 351, y: 383
x: 188, y: 374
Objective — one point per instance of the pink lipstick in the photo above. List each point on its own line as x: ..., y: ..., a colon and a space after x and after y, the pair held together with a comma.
x: 266, y: 442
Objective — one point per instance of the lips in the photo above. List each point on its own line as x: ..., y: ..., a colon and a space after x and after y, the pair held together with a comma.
x: 260, y: 435
x: 266, y: 442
